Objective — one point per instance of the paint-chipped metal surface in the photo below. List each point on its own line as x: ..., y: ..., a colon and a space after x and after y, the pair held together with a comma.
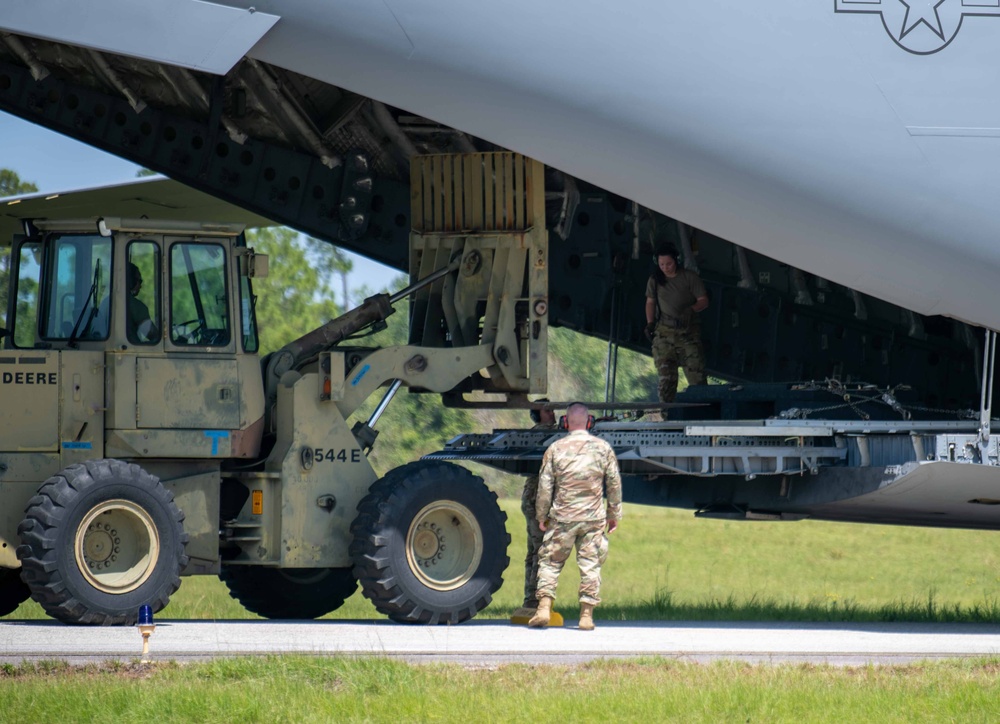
x: 29, y: 395
x: 187, y: 393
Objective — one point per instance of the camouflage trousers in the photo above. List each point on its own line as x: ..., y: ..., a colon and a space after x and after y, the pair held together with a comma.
x: 673, y: 348
x: 591, y: 551
x: 535, y: 536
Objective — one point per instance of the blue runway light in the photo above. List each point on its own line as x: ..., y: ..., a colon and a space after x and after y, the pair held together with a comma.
x: 145, y: 627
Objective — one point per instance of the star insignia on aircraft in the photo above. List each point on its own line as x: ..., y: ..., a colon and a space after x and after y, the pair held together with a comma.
x: 921, y: 27
x: 922, y: 11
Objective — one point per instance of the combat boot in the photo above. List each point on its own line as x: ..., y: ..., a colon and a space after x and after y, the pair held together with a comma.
x: 543, y: 614
x: 586, y: 617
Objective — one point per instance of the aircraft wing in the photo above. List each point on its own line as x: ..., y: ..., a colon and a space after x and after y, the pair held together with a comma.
x: 190, y: 33
x: 153, y: 196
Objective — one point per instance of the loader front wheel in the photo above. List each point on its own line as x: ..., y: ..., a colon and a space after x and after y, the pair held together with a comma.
x: 299, y: 593
x: 429, y: 544
x: 99, y: 540
x: 13, y: 592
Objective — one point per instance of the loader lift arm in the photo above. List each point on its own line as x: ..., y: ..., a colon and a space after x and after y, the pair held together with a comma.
x: 305, y: 350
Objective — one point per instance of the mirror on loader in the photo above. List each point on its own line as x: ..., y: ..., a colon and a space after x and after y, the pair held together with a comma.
x: 253, y: 265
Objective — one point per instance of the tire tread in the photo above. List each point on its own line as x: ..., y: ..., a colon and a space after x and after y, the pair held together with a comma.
x: 44, y: 519
x: 374, y: 531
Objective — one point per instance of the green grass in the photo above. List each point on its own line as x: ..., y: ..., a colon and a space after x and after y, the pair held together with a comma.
x: 664, y: 564
x: 305, y: 689
x: 668, y: 565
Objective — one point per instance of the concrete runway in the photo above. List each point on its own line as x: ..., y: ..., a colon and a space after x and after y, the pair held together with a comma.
x: 487, y: 643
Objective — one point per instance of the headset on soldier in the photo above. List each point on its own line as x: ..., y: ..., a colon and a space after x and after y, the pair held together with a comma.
x: 564, y: 421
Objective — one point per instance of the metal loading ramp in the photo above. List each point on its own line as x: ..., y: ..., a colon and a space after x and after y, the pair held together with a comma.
x: 937, y: 473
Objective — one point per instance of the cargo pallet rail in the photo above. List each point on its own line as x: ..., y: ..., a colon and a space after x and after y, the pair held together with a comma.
x: 918, y: 472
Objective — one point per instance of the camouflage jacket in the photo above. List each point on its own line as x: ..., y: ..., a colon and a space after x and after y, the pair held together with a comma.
x: 577, y: 471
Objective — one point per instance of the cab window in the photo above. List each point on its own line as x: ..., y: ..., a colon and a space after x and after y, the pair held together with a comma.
x: 199, y: 310
x: 29, y: 276
x: 78, y: 275
x: 248, y: 316
x: 142, y: 302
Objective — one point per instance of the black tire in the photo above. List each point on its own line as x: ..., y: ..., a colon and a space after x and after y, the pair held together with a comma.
x: 13, y: 591
x: 429, y: 544
x: 298, y: 593
x: 99, y: 540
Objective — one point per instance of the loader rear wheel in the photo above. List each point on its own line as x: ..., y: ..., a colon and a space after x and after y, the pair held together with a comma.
x: 429, y: 544
x: 13, y: 591
x: 289, y: 592
x: 99, y: 540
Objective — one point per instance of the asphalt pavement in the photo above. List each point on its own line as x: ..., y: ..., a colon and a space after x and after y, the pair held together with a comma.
x: 485, y: 643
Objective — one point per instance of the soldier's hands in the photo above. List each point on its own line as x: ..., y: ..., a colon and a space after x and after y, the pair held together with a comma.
x: 542, y: 526
x: 648, y: 331
x: 612, y: 526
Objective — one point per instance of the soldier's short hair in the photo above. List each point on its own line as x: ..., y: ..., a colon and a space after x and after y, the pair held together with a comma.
x: 577, y: 409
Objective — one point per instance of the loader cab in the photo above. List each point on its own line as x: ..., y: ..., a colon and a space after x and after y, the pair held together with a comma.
x: 122, y: 285
x: 160, y: 315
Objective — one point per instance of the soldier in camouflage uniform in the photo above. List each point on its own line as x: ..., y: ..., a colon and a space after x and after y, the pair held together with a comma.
x: 576, y: 472
x: 674, y: 296
x: 544, y: 420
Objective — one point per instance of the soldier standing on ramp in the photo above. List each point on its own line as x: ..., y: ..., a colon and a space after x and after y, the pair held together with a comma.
x: 576, y: 471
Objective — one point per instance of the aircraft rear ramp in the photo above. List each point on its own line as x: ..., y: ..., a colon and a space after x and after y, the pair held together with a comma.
x: 932, y: 473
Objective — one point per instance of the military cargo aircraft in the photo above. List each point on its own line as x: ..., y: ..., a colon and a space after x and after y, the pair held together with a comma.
x: 827, y: 167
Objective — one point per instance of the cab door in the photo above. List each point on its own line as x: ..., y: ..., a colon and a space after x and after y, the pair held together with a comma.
x: 195, y: 386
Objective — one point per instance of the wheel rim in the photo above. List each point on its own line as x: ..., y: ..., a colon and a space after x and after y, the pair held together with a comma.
x: 117, y: 546
x: 444, y: 545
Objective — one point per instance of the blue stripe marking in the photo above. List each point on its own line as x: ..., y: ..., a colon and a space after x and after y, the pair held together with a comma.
x: 359, y: 375
x: 216, y: 435
x: 77, y: 446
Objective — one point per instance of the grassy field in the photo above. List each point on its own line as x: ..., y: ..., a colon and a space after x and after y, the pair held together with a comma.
x: 668, y: 565
x: 300, y: 689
